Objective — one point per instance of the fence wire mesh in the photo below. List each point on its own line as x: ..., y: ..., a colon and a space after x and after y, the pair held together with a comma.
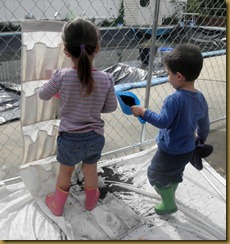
x: 126, y: 38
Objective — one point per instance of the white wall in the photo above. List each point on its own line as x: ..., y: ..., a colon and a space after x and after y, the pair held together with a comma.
x: 16, y: 10
x: 137, y: 15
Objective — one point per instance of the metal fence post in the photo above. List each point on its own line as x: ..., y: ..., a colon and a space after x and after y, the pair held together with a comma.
x: 150, y: 65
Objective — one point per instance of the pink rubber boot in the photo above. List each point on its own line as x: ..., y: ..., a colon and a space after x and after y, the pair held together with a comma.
x: 92, y: 195
x: 56, y: 201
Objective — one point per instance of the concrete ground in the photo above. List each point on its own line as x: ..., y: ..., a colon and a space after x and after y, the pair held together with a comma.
x: 218, y: 139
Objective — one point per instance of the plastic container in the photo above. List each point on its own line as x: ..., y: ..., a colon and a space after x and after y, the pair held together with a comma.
x: 127, y: 100
x: 161, y: 52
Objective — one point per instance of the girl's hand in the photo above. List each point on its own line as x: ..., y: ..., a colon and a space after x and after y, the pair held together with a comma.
x: 138, y: 110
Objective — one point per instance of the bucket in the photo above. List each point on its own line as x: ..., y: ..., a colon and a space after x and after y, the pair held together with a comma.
x: 126, y: 101
x: 161, y: 52
x: 192, y: 23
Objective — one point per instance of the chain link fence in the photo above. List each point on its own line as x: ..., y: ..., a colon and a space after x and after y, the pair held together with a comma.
x: 135, y: 34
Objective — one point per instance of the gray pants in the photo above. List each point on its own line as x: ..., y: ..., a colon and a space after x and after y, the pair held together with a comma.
x: 167, y: 168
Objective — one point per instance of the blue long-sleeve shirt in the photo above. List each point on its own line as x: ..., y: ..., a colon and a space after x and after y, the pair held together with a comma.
x: 183, y: 113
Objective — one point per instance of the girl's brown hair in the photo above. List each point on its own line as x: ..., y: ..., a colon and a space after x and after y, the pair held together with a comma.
x: 80, y: 38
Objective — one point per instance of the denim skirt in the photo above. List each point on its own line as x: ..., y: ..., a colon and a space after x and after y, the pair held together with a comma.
x: 73, y: 148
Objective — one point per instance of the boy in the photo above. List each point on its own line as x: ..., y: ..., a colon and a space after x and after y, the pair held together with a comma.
x: 184, y: 113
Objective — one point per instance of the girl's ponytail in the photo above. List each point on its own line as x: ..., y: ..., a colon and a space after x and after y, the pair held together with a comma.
x: 85, y: 70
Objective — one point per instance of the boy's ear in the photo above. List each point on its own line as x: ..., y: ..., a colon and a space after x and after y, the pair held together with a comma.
x: 66, y: 52
x: 179, y: 75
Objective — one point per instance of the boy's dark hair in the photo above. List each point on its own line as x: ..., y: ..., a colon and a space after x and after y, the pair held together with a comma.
x: 186, y: 59
x: 80, y: 38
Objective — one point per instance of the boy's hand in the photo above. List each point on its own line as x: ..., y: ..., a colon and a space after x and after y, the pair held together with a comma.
x: 138, y: 110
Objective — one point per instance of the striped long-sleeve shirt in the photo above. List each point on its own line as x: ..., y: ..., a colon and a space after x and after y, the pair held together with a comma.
x: 79, y: 113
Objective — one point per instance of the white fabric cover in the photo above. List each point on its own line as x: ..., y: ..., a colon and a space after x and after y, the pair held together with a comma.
x: 42, y: 52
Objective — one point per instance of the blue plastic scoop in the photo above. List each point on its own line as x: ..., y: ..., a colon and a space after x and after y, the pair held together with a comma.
x: 126, y: 101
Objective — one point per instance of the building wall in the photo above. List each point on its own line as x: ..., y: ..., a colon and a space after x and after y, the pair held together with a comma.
x: 135, y: 14
x: 18, y: 10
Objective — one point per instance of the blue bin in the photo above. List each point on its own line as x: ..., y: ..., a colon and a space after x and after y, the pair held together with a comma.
x: 161, y: 52
x: 165, y: 49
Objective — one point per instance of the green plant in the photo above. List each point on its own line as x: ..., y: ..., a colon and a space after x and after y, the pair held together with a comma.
x: 170, y: 20
x: 120, y: 17
x: 146, y: 43
x: 9, y: 27
x: 193, y: 6
x: 70, y: 15
x: 118, y: 20
x: 106, y: 23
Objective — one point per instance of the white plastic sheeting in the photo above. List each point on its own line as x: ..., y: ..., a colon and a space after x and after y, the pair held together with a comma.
x: 125, y: 214
x: 201, y: 200
x: 21, y: 218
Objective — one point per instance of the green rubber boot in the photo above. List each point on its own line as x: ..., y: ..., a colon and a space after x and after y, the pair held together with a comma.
x: 168, y: 205
x: 174, y: 187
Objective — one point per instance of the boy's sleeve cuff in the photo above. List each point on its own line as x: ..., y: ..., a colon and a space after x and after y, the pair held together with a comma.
x: 146, y: 114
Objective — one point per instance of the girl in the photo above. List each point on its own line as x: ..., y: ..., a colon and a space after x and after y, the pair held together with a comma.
x: 84, y: 93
